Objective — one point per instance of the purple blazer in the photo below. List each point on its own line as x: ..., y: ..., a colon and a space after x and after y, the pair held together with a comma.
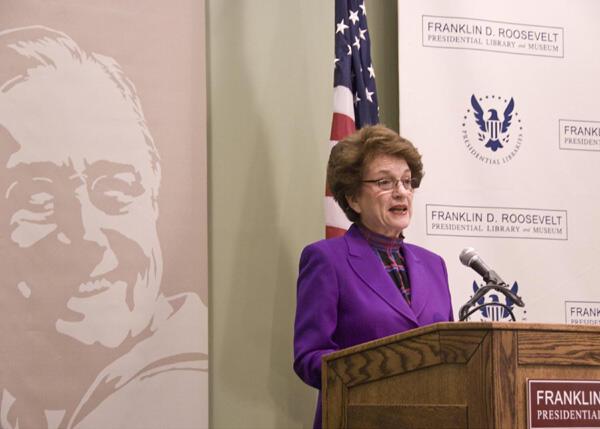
x: 345, y: 297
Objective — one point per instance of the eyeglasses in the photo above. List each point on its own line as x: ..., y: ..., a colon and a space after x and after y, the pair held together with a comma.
x: 390, y: 183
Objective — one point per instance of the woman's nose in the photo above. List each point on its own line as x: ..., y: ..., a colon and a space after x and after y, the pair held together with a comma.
x: 399, y: 190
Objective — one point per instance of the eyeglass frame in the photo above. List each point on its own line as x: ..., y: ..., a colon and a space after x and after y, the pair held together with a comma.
x: 408, y: 184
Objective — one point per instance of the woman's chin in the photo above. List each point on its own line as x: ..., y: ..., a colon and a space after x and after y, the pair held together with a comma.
x: 399, y: 222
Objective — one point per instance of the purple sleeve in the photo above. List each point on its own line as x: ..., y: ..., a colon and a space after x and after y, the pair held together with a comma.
x: 447, y: 286
x: 316, y: 313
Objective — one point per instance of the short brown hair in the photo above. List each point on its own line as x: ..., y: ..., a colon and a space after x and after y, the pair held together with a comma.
x: 350, y: 157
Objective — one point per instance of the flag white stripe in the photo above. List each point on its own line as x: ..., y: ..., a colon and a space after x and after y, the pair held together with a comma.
x: 343, y: 101
x: 334, y: 216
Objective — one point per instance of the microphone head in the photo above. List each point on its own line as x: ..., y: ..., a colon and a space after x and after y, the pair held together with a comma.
x: 467, y: 255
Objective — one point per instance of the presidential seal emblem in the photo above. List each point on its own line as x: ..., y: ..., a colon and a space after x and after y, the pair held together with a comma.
x: 496, y: 307
x: 492, y: 130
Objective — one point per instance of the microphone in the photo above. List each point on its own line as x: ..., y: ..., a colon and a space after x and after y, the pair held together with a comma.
x: 470, y: 258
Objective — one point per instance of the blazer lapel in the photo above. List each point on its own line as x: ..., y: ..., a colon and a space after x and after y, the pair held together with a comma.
x: 417, y: 276
x: 369, y: 268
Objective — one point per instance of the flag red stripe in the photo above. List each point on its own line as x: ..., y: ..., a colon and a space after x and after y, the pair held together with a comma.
x: 328, y: 191
x: 332, y: 231
x: 341, y: 126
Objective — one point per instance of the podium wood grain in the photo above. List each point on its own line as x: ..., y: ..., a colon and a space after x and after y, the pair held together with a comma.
x: 453, y: 375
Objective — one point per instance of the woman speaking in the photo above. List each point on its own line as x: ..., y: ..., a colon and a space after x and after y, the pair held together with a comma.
x: 368, y: 283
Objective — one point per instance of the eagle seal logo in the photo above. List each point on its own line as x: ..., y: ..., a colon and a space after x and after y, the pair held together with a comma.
x: 492, y: 129
x: 493, y: 311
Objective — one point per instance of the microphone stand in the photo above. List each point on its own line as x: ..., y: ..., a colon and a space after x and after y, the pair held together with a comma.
x: 491, y: 284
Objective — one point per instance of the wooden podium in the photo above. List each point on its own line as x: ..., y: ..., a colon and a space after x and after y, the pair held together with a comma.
x: 453, y: 375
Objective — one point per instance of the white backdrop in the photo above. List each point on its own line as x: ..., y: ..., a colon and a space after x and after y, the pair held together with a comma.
x: 528, y: 202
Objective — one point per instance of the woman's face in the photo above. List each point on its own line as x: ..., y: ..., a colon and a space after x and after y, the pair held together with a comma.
x: 384, y: 212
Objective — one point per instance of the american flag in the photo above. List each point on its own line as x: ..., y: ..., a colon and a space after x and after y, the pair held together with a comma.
x: 354, y: 93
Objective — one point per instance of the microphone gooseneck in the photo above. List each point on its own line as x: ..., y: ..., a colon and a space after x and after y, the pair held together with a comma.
x: 470, y: 258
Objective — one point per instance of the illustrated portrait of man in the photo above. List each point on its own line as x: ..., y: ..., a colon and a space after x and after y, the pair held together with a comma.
x: 88, y: 339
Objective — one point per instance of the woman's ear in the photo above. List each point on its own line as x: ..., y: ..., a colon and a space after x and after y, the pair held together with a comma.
x: 352, y: 201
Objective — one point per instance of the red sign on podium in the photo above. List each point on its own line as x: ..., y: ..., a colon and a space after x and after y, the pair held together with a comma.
x: 563, y: 404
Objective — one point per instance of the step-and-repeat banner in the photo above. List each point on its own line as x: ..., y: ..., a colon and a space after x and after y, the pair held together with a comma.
x: 501, y: 99
x: 103, y: 322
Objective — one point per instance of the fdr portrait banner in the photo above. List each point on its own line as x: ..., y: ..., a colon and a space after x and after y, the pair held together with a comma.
x: 499, y: 96
x: 103, y: 317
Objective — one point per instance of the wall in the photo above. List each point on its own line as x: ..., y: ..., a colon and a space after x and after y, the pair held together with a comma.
x: 270, y: 96
x: 383, y: 25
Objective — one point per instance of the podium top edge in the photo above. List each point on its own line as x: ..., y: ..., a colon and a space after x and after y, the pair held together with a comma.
x: 464, y: 326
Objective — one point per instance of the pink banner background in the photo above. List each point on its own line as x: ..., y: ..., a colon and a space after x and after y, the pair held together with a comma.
x: 119, y: 337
